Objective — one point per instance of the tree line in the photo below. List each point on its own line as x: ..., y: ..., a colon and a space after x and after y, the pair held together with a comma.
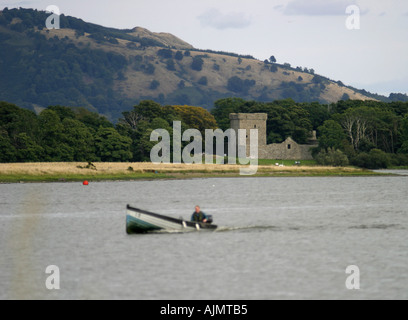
x: 62, y: 134
x: 368, y: 134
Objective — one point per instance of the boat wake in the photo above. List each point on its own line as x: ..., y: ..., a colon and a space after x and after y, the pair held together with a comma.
x: 377, y: 226
x: 246, y: 228
x: 219, y: 229
x: 262, y: 228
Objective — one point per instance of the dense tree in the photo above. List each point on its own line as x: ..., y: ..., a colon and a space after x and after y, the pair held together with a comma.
x: 178, y: 56
x: 165, y: 53
x: 197, y: 63
x: 398, y: 97
x: 302, y: 124
x: 92, y: 120
x: 318, y: 113
x: 57, y: 134
x: 238, y: 85
x: 193, y: 117
x: 51, y: 137
x: 170, y: 65
x: 331, y: 135
x: 111, y: 146
x: 26, y: 149
x: 80, y: 138
x: 222, y: 109
x: 16, y: 120
x: 404, y: 135
x: 370, y: 127
x: 148, y: 116
x: 7, y: 150
x: 274, y: 68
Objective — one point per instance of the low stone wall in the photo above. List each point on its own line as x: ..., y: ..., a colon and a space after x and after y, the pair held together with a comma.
x: 287, y: 150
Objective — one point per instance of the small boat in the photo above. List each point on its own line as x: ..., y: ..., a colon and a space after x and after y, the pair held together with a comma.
x: 142, y: 221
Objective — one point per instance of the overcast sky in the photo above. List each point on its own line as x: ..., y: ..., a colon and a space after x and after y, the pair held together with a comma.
x: 306, y: 33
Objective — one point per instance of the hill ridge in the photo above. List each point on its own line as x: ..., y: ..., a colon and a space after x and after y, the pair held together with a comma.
x: 109, y: 70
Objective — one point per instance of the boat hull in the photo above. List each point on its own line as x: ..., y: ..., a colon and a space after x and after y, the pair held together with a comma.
x: 141, y: 221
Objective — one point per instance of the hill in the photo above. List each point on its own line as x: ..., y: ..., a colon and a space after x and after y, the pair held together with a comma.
x: 109, y: 70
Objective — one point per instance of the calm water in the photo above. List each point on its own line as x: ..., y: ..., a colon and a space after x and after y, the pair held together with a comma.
x: 279, y: 238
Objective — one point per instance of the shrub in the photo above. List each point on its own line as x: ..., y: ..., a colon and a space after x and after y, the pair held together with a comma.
x: 170, y: 65
x: 178, y: 56
x: 274, y: 68
x: 375, y: 159
x: 165, y: 53
x: 197, y: 63
x: 238, y: 85
x: 332, y: 157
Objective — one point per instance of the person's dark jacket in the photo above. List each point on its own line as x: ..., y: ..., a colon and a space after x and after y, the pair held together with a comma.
x: 198, y: 217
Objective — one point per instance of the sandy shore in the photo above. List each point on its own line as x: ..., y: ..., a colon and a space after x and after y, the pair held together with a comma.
x: 76, y: 171
x: 106, y: 167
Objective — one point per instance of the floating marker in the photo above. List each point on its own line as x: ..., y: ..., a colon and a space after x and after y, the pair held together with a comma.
x: 85, y: 183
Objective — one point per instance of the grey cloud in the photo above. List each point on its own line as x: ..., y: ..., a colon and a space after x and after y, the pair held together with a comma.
x: 317, y: 7
x: 215, y: 19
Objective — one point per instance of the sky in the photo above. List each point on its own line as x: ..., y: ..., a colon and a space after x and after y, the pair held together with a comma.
x: 363, y: 43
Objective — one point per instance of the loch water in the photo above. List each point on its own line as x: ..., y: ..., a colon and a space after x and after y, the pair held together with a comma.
x: 278, y: 238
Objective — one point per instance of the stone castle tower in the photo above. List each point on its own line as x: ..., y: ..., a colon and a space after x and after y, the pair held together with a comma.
x: 287, y: 150
x: 250, y: 121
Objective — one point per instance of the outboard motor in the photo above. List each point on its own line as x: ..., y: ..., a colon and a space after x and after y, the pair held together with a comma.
x: 209, y: 219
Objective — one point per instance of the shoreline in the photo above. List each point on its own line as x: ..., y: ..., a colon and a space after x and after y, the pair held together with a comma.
x: 129, y: 171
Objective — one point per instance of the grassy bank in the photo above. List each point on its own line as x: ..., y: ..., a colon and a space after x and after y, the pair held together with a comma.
x: 74, y: 171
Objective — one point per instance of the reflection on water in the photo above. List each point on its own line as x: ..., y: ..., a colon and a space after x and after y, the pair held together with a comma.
x: 278, y: 238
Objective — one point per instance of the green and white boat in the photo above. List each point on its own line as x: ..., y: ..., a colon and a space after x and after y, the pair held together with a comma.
x: 142, y: 221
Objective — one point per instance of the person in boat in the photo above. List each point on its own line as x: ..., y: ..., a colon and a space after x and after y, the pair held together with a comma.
x: 198, y: 215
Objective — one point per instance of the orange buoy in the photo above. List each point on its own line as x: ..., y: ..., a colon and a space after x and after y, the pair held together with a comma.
x: 85, y: 183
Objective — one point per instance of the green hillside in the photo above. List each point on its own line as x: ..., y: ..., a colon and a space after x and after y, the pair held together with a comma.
x: 109, y: 70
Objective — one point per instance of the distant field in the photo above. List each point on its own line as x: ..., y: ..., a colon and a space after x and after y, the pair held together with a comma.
x: 79, y: 171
